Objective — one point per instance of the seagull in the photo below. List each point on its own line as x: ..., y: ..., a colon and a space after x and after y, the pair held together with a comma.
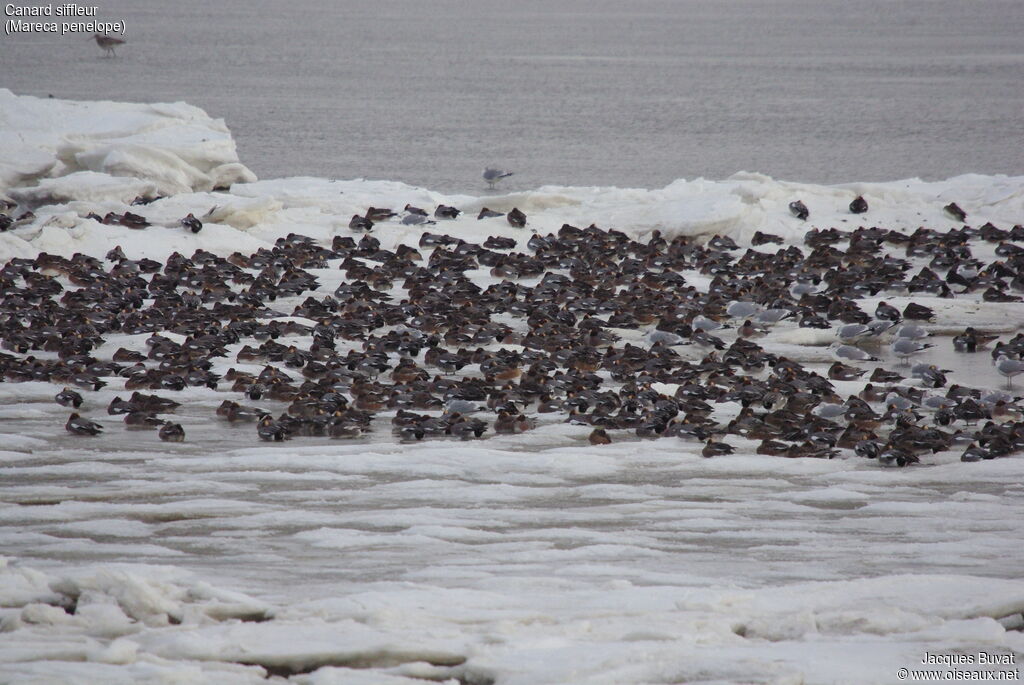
x: 911, y: 331
x: 108, y: 43
x: 492, y: 175
x: 703, y: 323
x: 829, y: 410
x: 852, y: 331
x: 1009, y: 368
x: 905, y: 348
x: 665, y: 337
x: 801, y: 288
x: 775, y: 315
x: 459, y: 406
x: 416, y: 220
x: 843, y: 352
x: 877, y: 327
x: 898, y: 402
x: 743, y: 309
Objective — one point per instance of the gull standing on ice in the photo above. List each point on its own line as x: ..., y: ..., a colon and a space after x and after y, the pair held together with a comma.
x: 108, y: 43
x: 905, y: 348
x: 1009, y: 368
x: 493, y: 175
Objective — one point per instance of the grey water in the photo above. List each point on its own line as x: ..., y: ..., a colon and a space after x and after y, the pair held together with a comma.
x: 571, y: 92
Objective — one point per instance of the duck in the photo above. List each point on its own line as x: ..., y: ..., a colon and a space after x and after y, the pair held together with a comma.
x: 799, y: 210
x: 142, y: 419
x: 377, y: 214
x: 886, y: 312
x: 953, y: 209
x: 896, y: 457
x: 772, y: 448
x: 918, y: 312
x: 360, y: 223
x: 714, y: 448
x: 68, y: 398
x: 880, y: 375
x: 972, y: 340
x: 270, y: 430
x: 77, y: 425
x: 516, y: 218
x: 933, y: 377
x: 446, y: 212
x: 843, y: 372
x: 191, y: 223
x: 172, y: 432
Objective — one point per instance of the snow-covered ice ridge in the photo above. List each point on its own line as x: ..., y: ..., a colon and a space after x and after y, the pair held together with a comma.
x: 165, y: 148
x: 532, y: 558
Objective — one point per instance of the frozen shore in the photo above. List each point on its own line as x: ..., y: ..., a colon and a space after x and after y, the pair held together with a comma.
x: 64, y: 159
x: 531, y: 558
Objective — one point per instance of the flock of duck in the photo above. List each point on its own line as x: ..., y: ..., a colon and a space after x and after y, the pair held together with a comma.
x: 448, y: 357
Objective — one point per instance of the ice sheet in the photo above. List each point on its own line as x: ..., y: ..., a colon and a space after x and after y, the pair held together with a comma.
x: 519, y: 559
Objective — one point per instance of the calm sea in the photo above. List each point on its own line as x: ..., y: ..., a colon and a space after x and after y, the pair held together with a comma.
x: 577, y: 92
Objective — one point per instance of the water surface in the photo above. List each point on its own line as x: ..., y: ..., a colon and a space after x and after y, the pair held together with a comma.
x: 570, y: 92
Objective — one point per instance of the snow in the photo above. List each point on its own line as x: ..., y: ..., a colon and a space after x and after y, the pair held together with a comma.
x: 101, y: 155
x: 176, y: 147
x: 606, y: 631
x: 520, y: 559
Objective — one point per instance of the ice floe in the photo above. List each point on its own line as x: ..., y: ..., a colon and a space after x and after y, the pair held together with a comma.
x: 529, y: 558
